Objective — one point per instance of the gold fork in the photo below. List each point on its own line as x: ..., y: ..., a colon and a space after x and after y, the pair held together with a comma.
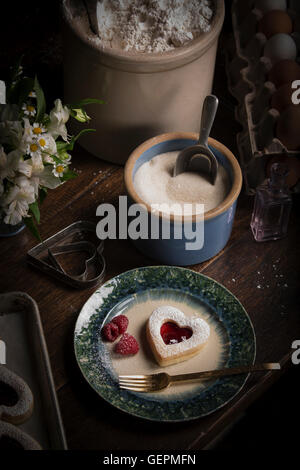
x: 155, y: 382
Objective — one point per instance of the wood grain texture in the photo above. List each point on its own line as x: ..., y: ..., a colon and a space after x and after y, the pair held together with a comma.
x: 264, y: 277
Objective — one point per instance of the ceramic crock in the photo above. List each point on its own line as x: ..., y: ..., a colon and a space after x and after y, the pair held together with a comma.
x: 217, y: 222
x: 7, y: 230
x: 145, y: 94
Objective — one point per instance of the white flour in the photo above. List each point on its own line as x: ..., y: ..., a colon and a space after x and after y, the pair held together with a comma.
x: 152, y: 25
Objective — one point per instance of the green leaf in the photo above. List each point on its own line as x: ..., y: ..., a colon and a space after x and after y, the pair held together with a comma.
x: 63, y: 155
x: 26, y: 86
x: 86, y: 101
x: 65, y: 146
x: 34, y: 209
x: 61, y: 146
x: 57, y: 160
x: 18, y: 93
x: 74, y: 138
x: 42, y: 195
x: 68, y: 175
x: 29, y: 222
x: 80, y: 115
x: 40, y: 99
x: 46, y: 120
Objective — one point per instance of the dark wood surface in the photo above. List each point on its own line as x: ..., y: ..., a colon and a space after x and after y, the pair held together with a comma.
x: 264, y: 277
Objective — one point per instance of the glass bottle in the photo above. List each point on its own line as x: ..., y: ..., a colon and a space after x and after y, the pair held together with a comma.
x: 272, y: 206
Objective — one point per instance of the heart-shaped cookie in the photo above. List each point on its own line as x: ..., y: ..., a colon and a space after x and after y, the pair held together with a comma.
x: 16, y: 399
x: 173, y: 337
x: 13, y: 438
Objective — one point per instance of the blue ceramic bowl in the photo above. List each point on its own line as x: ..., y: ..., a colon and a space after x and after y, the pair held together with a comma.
x: 217, y: 222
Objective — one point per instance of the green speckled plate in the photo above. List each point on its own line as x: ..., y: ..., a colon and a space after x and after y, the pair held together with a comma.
x: 136, y: 293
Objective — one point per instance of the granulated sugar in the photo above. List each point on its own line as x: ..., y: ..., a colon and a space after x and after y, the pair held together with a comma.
x: 152, y: 25
x: 155, y: 184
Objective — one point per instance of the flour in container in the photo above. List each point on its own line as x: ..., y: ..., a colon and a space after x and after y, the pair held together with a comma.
x: 152, y: 25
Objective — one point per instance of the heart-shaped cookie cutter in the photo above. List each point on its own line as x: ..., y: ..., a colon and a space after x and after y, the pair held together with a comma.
x: 75, y: 248
x: 72, y: 239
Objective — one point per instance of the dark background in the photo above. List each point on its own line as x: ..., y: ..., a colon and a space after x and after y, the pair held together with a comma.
x: 33, y: 29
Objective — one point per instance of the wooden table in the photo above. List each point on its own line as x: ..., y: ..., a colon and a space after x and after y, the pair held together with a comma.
x: 262, y: 276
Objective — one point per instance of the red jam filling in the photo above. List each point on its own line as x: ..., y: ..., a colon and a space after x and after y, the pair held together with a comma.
x: 172, y: 334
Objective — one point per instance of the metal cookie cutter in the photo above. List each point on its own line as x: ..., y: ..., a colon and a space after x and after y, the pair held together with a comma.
x: 79, y: 237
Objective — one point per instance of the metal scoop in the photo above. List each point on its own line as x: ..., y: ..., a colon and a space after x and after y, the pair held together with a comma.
x: 199, y: 157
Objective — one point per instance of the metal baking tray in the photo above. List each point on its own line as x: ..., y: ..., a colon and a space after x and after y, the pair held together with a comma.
x: 27, y: 355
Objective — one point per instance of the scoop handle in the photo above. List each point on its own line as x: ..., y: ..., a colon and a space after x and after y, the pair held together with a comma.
x: 210, y: 106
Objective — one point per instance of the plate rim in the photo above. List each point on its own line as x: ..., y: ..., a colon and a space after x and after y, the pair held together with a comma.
x: 149, y: 418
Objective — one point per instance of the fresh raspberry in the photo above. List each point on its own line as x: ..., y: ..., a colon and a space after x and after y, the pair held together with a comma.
x: 122, y: 323
x: 127, y: 345
x: 110, y: 332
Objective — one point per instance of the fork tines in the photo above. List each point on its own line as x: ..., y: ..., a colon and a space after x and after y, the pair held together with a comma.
x: 136, y: 383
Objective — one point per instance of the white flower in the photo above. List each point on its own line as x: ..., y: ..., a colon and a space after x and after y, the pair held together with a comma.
x: 36, y: 140
x: 48, y: 179
x: 37, y: 129
x: 27, y: 128
x: 59, y: 169
x: 32, y: 170
x: 15, y: 212
x: 59, y: 115
x: 26, y: 137
x: 38, y: 175
x: 47, y: 144
x: 32, y: 94
x: 25, y: 167
x: 26, y: 187
x: 33, y: 149
x: 28, y: 109
x: 17, y: 201
x: 47, y: 158
x: 31, y: 167
x: 9, y: 163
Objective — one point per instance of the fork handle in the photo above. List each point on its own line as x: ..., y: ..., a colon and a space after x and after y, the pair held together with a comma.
x: 222, y: 372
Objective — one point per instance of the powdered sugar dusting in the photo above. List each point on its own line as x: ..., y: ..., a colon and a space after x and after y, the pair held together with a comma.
x: 161, y: 315
x: 92, y: 304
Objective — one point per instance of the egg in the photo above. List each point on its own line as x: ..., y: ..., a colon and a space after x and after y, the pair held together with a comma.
x: 274, y: 22
x: 266, y: 5
x: 288, y: 128
x: 282, y: 98
x: 293, y: 165
x: 284, y: 71
x: 279, y: 47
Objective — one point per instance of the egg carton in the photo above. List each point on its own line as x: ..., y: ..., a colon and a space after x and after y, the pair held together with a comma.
x: 247, y: 70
